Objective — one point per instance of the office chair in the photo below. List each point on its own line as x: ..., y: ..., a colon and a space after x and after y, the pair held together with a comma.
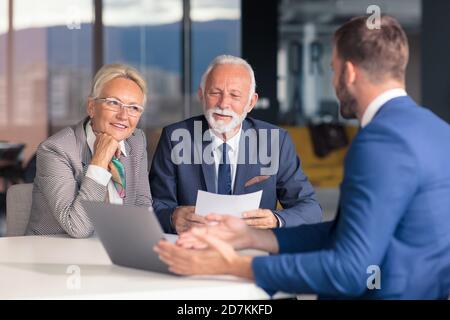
x: 29, y: 172
x: 11, y: 164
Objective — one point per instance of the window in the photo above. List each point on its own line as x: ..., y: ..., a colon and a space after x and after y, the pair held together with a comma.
x: 52, y: 59
x: 3, y: 36
x: 306, y: 28
x: 147, y: 35
x: 50, y: 68
x: 216, y: 30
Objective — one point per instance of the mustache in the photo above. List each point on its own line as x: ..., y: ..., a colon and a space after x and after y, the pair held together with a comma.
x: 223, y: 112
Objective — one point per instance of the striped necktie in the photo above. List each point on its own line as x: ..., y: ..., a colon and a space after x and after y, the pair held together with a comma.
x: 118, y: 175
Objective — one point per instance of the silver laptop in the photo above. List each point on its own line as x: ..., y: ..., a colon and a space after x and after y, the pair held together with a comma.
x: 128, y: 234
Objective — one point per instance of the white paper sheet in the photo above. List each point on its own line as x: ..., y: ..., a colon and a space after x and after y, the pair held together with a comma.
x: 234, y: 205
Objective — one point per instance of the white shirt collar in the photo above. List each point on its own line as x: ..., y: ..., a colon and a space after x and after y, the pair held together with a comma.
x: 378, y: 102
x: 233, y: 143
x: 90, y: 138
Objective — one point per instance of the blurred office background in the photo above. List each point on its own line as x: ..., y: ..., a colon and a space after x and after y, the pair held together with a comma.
x: 50, y: 50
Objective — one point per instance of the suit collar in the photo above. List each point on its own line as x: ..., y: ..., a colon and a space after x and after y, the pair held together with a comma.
x: 245, y: 169
x: 208, y: 168
x: 377, y: 103
x: 90, y: 138
x: 81, y: 141
x: 86, y: 156
x: 233, y: 143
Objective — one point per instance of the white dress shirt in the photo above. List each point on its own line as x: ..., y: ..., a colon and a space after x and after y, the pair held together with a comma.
x: 99, y: 174
x: 233, y: 152
x: 378, y: 102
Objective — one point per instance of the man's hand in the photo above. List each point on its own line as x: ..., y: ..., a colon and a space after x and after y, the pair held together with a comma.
x: 184, y: 217
x: 219, y: 258
x: 105, y: 148
x: 232, y: 230
x: 260, y: 218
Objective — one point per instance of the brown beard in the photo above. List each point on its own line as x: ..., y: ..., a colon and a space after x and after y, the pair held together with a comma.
x: 348, y: 104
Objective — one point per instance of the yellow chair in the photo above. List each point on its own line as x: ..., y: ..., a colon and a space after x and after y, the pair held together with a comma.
x: 324, y: 172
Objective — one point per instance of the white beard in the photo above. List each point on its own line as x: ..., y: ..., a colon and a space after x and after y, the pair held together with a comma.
x: 220, y: 126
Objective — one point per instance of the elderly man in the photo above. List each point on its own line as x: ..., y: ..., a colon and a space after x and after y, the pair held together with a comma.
x: 102, y: 158
x: 227, y: 152
x: 391, y: 239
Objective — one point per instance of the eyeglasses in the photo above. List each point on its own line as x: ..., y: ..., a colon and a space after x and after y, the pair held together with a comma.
x: 133, y: 110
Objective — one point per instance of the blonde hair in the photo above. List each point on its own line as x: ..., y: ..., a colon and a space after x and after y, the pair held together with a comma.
x: 117, y: 70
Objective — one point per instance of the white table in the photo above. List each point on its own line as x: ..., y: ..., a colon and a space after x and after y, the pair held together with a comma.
x: 46, y: 267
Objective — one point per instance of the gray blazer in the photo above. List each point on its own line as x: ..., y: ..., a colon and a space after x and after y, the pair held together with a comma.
x: 60, y: 183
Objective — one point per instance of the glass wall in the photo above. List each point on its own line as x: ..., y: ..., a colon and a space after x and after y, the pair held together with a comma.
x: 69, y: 56
x: 216, y: 30
x: 147, y: 35
x: 51, y: 59
x: 49, y: 67
x: 3, y: 35
x: 306, y: 28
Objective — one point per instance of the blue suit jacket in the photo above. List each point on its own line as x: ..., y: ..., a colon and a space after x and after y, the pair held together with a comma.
x: 175, y: 185
x: 394, y: 213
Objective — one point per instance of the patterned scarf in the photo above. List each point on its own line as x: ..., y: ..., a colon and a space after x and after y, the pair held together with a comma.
x: 118, y: 175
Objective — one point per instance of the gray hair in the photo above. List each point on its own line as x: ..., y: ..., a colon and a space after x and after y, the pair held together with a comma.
x: 229, y: 59
x: 117, y: 70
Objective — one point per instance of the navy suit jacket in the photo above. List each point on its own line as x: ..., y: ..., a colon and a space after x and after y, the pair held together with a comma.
x: 175, y: 184
x: 394, y: 214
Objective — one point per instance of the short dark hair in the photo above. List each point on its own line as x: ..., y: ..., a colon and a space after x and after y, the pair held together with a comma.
x: 381, y: 52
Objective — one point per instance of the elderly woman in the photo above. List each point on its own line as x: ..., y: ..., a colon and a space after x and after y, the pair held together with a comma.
x: 102, y: 158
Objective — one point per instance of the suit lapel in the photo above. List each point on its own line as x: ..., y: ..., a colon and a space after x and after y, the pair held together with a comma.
x: 86, y: 156
x: 244, y: 169
x: 128, y: 174
x: 394, y: 101
x: 80, y: 137
x: 208, y: 169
